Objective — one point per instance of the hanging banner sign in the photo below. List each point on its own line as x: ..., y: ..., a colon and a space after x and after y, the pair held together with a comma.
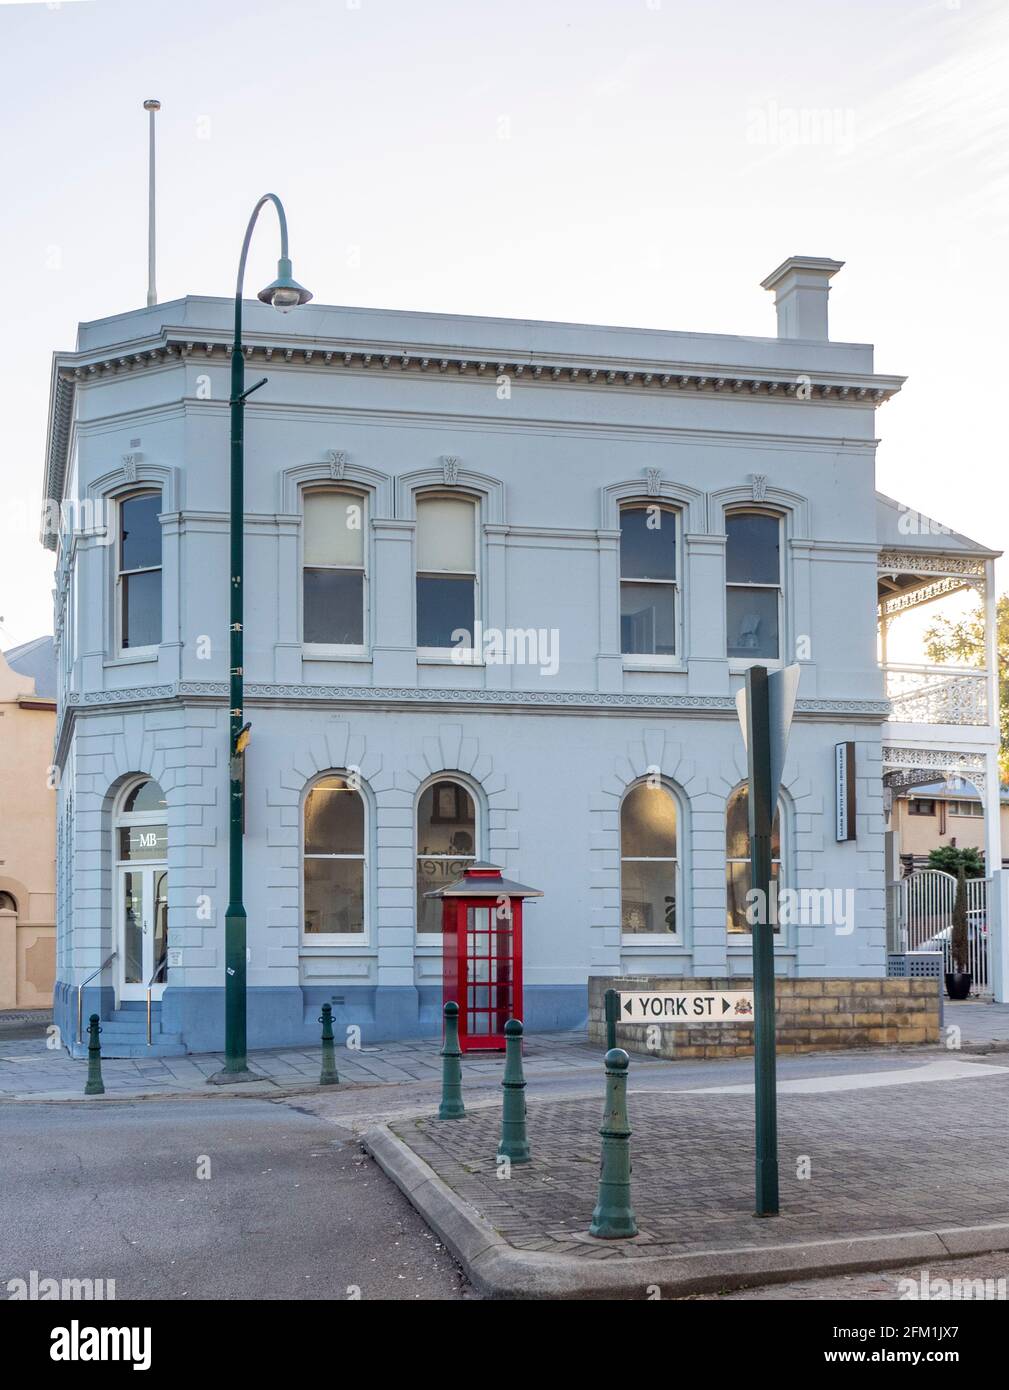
x: 844, y: 791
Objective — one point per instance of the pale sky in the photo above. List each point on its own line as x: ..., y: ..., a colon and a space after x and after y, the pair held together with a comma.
x: 642, y: 162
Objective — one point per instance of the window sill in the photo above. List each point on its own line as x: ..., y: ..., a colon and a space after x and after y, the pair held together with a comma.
x: 338, y: 946
x: 654, y: 663
x: 645, y: 941
x: 317, y: 652
x: 741, y: 945
x: 443, y: 656
x: 136, y: 657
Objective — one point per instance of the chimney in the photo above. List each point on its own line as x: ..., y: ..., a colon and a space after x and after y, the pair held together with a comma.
x: 800, y: 295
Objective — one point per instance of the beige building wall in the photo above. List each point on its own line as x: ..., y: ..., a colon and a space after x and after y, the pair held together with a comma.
x: 27, y: 844
x: 921, y: 834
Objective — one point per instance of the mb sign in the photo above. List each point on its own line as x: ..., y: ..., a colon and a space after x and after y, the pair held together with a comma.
x: 733, y: 1006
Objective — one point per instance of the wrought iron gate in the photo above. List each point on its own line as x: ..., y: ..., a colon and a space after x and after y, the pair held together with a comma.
x: 921, y: 908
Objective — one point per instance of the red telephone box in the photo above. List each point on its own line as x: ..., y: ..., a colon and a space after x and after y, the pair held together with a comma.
x: 481, y: 919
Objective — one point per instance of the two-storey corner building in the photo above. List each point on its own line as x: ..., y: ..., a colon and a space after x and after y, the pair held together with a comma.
x: 503, y: 579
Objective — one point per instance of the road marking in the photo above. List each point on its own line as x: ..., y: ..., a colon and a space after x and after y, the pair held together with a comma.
x: 949, y: 1069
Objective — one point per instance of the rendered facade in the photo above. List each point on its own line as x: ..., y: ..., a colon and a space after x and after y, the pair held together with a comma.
x: 606, y: 524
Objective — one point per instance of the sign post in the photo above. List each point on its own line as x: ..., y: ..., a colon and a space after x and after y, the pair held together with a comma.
x: 765, y: 708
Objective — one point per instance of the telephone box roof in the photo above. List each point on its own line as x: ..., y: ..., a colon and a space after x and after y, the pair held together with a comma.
x: 483, y: 880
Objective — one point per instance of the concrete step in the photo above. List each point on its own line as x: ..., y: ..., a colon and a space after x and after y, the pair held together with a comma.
x: 159, y: 1048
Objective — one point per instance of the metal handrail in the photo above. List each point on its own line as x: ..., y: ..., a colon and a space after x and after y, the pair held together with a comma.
x: 80, y: 993
x: 150, y: 982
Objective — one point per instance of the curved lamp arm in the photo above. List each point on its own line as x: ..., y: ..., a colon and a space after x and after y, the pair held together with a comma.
x: 284, y: 293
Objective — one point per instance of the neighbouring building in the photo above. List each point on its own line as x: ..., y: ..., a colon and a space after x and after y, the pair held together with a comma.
x: 503, y: 581
x: 935, y: 814
x: 27, y: 825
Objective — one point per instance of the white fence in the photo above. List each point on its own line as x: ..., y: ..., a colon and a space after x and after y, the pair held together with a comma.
x: 921, y: 908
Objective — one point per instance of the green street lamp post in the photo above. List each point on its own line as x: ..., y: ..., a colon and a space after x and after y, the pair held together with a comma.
x: 284, y: 293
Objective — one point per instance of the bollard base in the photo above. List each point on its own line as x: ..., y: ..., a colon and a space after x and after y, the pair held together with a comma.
x: 233, y: 1078
x: 515, y: 1155
x: 614, y: 1227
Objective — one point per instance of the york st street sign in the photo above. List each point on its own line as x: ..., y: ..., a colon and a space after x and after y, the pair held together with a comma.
x: 688, y: 1006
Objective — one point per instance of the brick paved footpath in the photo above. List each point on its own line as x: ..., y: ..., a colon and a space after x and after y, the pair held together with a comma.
x: 891, y: 1158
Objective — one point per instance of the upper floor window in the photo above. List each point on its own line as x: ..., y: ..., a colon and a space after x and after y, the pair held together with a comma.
x: 921, y: 806
x: 446, y: 571
x: 648, y: 861
x: 334, y: 568
x: 737, y: 859
x: 446, y: 844
x: 753, y: 580
x: 138, y: 571
x: 334, y: 858
x: 647, y: 580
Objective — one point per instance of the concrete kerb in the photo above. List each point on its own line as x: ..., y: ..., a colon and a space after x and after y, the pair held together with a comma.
x: 498, y: 1270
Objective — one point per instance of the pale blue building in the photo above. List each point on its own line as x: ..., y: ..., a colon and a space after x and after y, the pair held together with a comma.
x: 619, y: 520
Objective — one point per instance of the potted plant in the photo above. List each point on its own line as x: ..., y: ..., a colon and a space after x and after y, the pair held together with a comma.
x: 958, y: 980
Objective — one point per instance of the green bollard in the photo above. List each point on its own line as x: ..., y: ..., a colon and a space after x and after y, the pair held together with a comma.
x: 613, y: 1217
x: 451, y: 1107
x: 95, y: 1086
x: 611, y: 1006
x: 328, y: 1075
x: 514, y: 1143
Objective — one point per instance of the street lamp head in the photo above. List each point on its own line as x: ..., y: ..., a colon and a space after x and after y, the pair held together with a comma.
x: 285, y: 293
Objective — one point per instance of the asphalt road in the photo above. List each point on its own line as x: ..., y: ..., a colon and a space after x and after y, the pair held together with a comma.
x: 291, y: 1209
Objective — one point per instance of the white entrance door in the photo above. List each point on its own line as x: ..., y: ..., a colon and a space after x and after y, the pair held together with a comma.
x: 142, y: 952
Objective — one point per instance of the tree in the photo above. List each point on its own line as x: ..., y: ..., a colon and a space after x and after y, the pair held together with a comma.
x: 963, y: 641
x: 954, y: 861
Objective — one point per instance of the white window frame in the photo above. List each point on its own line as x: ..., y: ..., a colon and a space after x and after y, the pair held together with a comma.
x: 308, y: 940
x: 663, y: 938
x: 136, y: 653
x: 737, y: 663
x: 442, y: 654
x: 646, y: 661
x: 336, y: 650
x: 745, y: 938
x: 436, y: 938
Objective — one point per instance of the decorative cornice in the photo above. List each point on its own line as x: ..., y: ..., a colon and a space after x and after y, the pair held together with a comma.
x: 172, y: 346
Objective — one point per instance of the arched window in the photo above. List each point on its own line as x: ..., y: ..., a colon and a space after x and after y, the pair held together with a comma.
x: 737, y: 859
x: 8, y: 902
x: 333, y: 568
x: 334, y: 820
x: 138, y: 571
x: 648, y: 580
x: 753, y: 585
x: 446, y: 571
x: 649, y: 869
x: 446, y: 843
